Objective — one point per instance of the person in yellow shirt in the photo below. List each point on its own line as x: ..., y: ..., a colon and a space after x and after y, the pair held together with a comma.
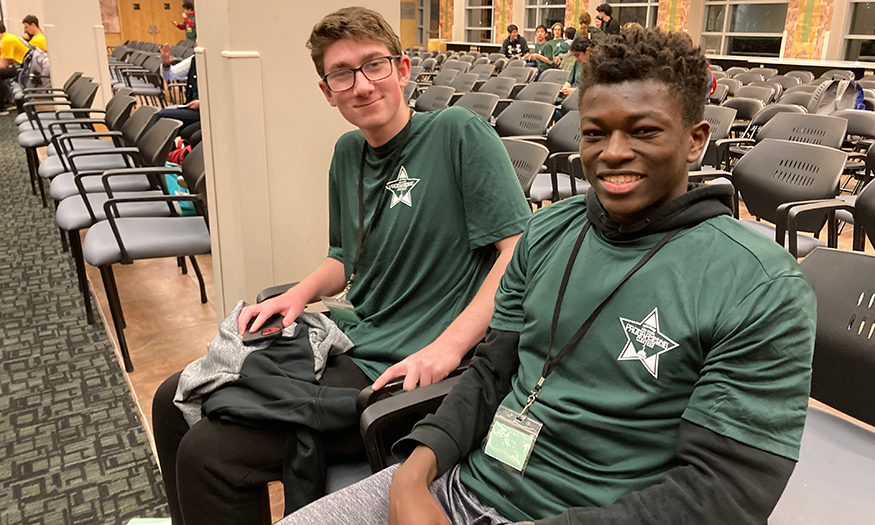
x: 31, y: 28
x: 12, y: 51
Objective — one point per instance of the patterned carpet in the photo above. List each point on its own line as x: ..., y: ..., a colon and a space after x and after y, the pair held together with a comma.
x: 72, y: 449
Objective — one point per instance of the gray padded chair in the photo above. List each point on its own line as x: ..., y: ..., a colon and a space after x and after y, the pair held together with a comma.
x: 481, y: 103
x: 415, y: 71
x: 468, y: 58
x: 409, y: 90
x: 803, y: 88
x: 520, y: 75
x: 540, y: 92
x: 524, y: 117
x: 804, y: 76
x: 776, y: 88
x: 833, y: 479
x: 515, y: 62
x: 464, y: 82
x: 130, y: 133
x: 838, y: 73
x: 747, y: 78
x: 444, y: 77
x: 570, y: 103
x: 428, y: 64
x: 721, y: 91
x: 527, y: 158
x: 730, y: 83
x: 456, y: 65
x: 721, y: 119
x: 562, y: 141
x: 799, y: 98
x: 786, y: 81
x: 434, y: 98
x: 483, y: 71
x: 718, y: 74
x: 480, y: 61
x: 126, y: 239
x: 763, y: 94
x: 151, y: 150
x: 500, y: 65
x: 35, y: 93
x: 746, y: 109
x: 500, y: 86
x: 556, y: 76
x: 765, y: 72
x: 736, y: 70
x: 776, y: 173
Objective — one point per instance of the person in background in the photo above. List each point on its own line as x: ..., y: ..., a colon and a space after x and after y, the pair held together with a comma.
x: 189, y: 113
x: 558, y: 43
x: 189, y: 24
x: 590, y: 31
x: 630, y: 26
x: 542, y: 57
x: 36, y: 38
x: 570, y: 33
x: 607, y: 24
x: 580, y: 50
x: 514, y: 45
x: 12, y: 52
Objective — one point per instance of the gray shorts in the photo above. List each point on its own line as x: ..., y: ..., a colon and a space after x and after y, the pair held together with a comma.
x: 367, y: 503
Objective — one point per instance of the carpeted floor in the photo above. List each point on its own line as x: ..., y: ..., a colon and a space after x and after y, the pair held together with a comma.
x: 72, y: 449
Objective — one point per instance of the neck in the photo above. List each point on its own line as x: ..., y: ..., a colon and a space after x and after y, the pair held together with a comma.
x: 36, y: 32
x: 383, y: 134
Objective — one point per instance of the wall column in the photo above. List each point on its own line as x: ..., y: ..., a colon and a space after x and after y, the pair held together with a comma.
x: 75, y: 40
x: 269, y: 136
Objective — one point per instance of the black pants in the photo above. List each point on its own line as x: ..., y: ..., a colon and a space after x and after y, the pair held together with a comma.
x: 215, y: 472
x: 6, y: 74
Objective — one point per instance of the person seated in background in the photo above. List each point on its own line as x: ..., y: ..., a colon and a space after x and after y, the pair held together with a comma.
x: 580, y: 48
x: 418, y: 239
x: 630, y: 26
x: 567, y: 62
x: 649, y: 357
x: 606, y: 21
x: 36, y: 38
x: 558, y: 43
x: 590, y: 31
x: 12, y: 53
x: 514, y: 45
x: 189, y: 21
x: 542, y: 56
x: 188, y: 113
x: 570, y: 33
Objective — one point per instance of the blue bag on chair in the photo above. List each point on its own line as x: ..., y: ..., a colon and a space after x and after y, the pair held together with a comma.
x: 173, y: 188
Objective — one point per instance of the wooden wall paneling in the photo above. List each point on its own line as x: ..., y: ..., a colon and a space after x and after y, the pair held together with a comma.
x: 136, y: 22
x: 164, y: 12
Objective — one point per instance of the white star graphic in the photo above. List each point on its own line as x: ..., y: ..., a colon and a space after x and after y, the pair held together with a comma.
x: 641, y: 341
x: 400, y: 189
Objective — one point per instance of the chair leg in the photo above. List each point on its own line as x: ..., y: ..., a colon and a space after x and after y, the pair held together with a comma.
x: 115, y: 309
x: 76, y: 249
x: 64, y: 247
x: 200, y: 279
x: 28, y: 152
x: 180, y: 261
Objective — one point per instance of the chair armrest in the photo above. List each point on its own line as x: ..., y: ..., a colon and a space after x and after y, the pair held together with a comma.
x: 44, y: 90
x: 58, y: 140
x: 48, y: 103
x: 785, y: 220
x: 45, y: 96
x: 273, y: 291
x: 60, y: 112
x: 60, y: 126
x: 149, y: 172
x: 106, y: 151
x: 110, y: 209
x: 706, y: 175
x: 538, y: 139
x: 388, y: 413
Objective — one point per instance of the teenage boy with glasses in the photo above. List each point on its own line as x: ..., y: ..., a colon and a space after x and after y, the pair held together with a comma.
x: 443, y: 210
x: 649, y: 358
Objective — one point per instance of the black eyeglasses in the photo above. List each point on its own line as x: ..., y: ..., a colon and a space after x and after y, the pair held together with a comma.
x: 373, y: 70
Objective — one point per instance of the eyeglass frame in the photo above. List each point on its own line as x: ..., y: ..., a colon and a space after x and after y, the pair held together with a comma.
x: 361, y: 70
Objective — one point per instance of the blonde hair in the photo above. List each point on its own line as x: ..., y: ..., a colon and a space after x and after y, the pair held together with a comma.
x: 350, y: 22
x: 585, y: 19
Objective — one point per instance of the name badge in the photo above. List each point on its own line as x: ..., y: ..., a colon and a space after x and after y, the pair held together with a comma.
x: 511, y: 438
x: 341, y: 310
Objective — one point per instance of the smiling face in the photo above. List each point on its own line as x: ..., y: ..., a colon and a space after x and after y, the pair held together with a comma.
x: 515, y: 34
x: 375, y: 107
x: 635, y: 147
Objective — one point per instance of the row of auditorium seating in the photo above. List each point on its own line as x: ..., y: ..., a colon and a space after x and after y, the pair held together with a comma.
x: 113, y: 183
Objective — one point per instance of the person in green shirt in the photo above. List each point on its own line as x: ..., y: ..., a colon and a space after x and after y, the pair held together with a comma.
x: 542, y: 56
x: 560, y: 46
x: 649, y: 357
x: 580, y: 48
x: 424, y: 211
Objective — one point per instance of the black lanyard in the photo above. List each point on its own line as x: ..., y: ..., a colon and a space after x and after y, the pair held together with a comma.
x: 551, y: 364
x: 363, y: 233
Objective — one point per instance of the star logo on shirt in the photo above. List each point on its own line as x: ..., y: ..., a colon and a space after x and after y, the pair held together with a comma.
x: 401, y: 188
x: 644, y: 342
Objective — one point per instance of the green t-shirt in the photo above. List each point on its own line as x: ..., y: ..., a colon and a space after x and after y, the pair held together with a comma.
x: 717, y: 328
x: 545, y: 49
x: 560, y: 47
x: 432, y: 245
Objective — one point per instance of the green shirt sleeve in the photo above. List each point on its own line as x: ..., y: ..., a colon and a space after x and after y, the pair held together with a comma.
x: 494, y: 202
x: 760, y: 358
x: 335, y: 245
x: 508, y: 314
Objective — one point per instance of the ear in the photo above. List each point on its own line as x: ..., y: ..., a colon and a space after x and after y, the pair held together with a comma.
x: 404, y: 70
x: 329, y: 96
x: 699, y: 135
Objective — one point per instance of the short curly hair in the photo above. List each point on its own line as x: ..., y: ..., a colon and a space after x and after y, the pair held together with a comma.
x: 350, y: 22
x: 651, y: 54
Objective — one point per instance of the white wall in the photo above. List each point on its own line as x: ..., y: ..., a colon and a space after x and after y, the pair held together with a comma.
x: 14, y: 12
x: 269, y: 137
x: 74, y: 35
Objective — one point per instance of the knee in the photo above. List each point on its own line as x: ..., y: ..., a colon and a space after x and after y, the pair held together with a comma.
x: 162, y: 403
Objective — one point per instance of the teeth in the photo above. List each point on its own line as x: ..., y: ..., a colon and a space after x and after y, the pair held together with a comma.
x: 621, y: 179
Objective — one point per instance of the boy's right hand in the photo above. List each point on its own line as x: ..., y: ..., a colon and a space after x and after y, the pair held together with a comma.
x: 166, y: 59
x: 287, y: 304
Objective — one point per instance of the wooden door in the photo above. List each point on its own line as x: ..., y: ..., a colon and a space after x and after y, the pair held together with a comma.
x: 164, y: 13
x: 136, y: 20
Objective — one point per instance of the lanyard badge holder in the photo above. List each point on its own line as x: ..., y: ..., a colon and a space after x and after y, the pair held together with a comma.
x: 340, y: 307
x: 512, y: 435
